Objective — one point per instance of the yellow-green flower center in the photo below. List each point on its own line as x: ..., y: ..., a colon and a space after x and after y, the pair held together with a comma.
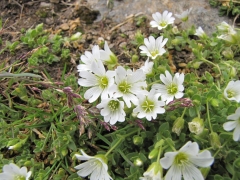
x: 19, y: 177
x: 154, y: 52
x: 181, y: 159
x: 230, y: 93
x: 103, y: 82
x: 124, y: 87
x: 113, y: 105
x: 148, y: 105
x: 172, y: 89
x: 163, y: 23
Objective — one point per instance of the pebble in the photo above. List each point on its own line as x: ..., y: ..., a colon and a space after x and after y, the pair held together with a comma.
x: 64, y: 26
x: 182, y: 65
x: 45, y: 5
x: 123, y: 44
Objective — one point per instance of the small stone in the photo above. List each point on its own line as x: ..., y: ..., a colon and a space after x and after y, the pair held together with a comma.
x: 182, y: 65
x: 64, y: 27
x: 123, y: 44
x: 45, y: 5
x: 49, y: 21
x: 89, y: 37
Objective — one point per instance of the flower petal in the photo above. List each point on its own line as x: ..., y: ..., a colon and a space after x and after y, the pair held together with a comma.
x: 168, y: 159
x: 190, y: 148
x: 203, y: 159
x: 191, y: 172
x: 174, y: 173
x: 228, y: 126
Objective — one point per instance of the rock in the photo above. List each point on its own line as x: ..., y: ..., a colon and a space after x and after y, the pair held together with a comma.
x: 64, y: 26
x: 49, y: 21
x: 45, y: 5
x: 202, y: 13
x: 182, y: 65
x: 123, y: 44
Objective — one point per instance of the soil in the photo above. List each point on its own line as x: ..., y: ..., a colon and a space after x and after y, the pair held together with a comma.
x: 66, y: 17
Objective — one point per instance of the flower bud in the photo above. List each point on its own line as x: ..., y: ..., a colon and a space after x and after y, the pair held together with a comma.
x: 135, y: 58
x: 137, y: 140
x: 28, y: 163
x: 176, y: 41
x: 214, y: 102
x: 178, y: 125
x: 159, y: 143
x: 233, y: 72
x: 197, y: 64
x: 153, y: 153
x: 196, y: 126
x: 64, y: 152
x: 162, y: 69
x: 139, y: 37
x: 196, y: 102
x: 228, y: 53
x: 76, y: 36
x: 175, y: 30
x: 138, y: 162
x: 214, y: 140
x: 19, y: 144
x: 154, y: 171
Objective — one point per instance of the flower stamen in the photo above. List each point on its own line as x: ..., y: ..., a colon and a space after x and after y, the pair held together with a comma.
x: 172, y: 89
x: 103, y: 82
x: 181, y: 159
x: 148, y: 106
x: 124, y: 87
x: 113, y: 105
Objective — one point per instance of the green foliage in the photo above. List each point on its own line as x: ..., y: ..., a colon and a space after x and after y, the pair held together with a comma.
x: 229, y: 8
x: 45, y: 123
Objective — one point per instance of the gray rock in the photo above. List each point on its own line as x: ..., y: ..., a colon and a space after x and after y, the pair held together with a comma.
x: 202, y: 13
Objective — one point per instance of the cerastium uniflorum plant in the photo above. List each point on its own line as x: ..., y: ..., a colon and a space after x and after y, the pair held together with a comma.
x: 115, y: 122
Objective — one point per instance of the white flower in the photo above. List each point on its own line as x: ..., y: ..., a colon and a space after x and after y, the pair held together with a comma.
x: 12, y: 172
x: 232, y: 91
x: 112, y: 110
x: 184, y: 15
x: 100, y: 81
x: 128, y: 84
x: 88, y: 58
x: 153, y: 48
x: 149, y: 106
x: 184, y: 162
x: 161, y: 21
x: 95, y: 165
x: 153, y: 172
x: 196, y: 126
x: 76, y: 36
x: 229, y: 34
x: 147, y: 68
x: 107, y: 55
x: 231, y: 38
x: 172, y: 86
x: 200, y: 32
x: 225, y: 27
x: 234, y: 124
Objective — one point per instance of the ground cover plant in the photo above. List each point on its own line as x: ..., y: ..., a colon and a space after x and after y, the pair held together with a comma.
x: 113, y: 120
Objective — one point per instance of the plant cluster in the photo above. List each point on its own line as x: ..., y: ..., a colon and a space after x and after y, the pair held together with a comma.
x: 229, y: 7
x: 149, y: 122
x: 42, y: 47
